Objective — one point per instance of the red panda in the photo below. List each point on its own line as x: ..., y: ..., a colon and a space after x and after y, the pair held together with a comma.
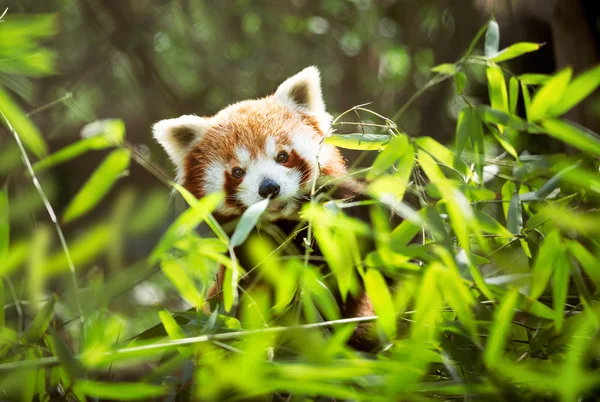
x: 256, y: 148
x: 268, y: 147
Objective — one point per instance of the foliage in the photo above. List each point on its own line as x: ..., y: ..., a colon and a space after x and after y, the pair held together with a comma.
x: 495, y: 265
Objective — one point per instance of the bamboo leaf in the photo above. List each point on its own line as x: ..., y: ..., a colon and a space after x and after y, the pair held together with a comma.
x: 23, y: 126
x: 549, y: 95
x: 41, y: 321
x: 492, y: 39
x: 560, y: 288
x: 589, y: 262
x: 513, y: 95
x: 573, y: 135
x: 4, y: 225
x: 182, y: 282
x: 497, y: 89
x: 386, y: 158
x: 359, y: 141
x: 378, y: 291
x: 247, y: 222
x: 579, y: 89
x: 130, y: 391
x: 514, y: 51
x: 98, y: 185
x: 544, y: 264
x: 500, y: 329
x: 514, y: 221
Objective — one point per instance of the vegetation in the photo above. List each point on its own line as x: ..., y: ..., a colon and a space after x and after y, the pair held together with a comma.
x: 496, y: 262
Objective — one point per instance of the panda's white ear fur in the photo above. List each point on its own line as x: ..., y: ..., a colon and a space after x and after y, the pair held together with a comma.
x: 177, y: 135
x: 303, y: 91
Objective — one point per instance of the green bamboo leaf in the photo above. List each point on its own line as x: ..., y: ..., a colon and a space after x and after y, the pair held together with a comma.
x: 477, y: 142
x: 579, y: 89
x: 4, y: 225
x: 2, y: 317
x: 72, y: 367
x: 464, y: 128
x: 182, y: 282
x: 514, y: 221
x: 560, y: 288
x: 589, y: 262
x: 526, y: 100
x: 500, y: 329
x: 320, y: 294
x: 392, y: 152
x: 508, y: 190
x: 14, y: 116
x: 130, y: 391
x: 549, y: 95
x: 446, y: 69
x: 492, y: 39
x: 37, y: 62
x: 516, y: 50
x: 460, y: 81
x: 513, y: 95
x: 506, y: 145
x: 98, y: 135
x: 171, y: 327
x: 500, y: 118
x: 359, y: 141
x: 41, y: 321
x: 534, y: 79
x: 247, y: 222
x: 573, y: 135
x: 497, y: 89
x: 380, y: 296
x: 442, y: 154
x: 491, y: 225
x: 544, y: 264
x: 101, y: 181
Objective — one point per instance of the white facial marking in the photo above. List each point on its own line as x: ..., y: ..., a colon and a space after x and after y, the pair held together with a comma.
x: 271, y: 147
x: 214, y: 178
x: 243, y: 156
x: 267, y: 168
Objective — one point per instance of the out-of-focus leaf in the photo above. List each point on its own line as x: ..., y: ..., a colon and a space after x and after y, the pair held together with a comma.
x: 513, y: 95
x: 460, y: 80
x: 41, y: 321
x: 442, y: 154
x: 182, y: 282
x: 392, y: 152
x: 534, y: 79
x: 554, y: 182
x: 500, y: 118
x: 364, y: 142
x: 464, y: 128
x: 101, y: 181
x: 579, y: 89
x: 2, y: 321
x: 405, y: 232
x: 514, y: 220
x: 130, y: 391
x: 572, y: 135
x: 378, y: 292
x: 39, y: 62
x: 559, y: 291
x: 497, y: 89
x: 247, y: 222
x: 97, y: 135
x: 500, y: 328
x: 490, y: 225
x: 25, y: 129
x: 526, y: 100
x: 71, y: 366
x: 477, y: 142
x: 492, y: 39
x: 321, y: 294
x: 549, y: 95
x: 446, y: 68
x: 506, y: 145
x: 589, y: 262
x: 4, y: 225
x: 516, y: 50
x: 544, y: 264
x: 428, y: 302
x: 171, y: 327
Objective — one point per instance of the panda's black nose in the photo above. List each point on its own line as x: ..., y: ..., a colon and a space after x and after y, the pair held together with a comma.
x: 268, y: 187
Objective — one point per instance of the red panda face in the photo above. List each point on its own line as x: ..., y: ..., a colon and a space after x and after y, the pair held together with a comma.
x: 270, y: 147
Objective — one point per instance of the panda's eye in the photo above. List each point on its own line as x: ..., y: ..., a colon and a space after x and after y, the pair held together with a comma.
x: 237, y: 172
x: 282, y: 157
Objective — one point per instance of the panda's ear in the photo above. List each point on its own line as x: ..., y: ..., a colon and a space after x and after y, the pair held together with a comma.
x: 177, y: 135
x: 303, y: 91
